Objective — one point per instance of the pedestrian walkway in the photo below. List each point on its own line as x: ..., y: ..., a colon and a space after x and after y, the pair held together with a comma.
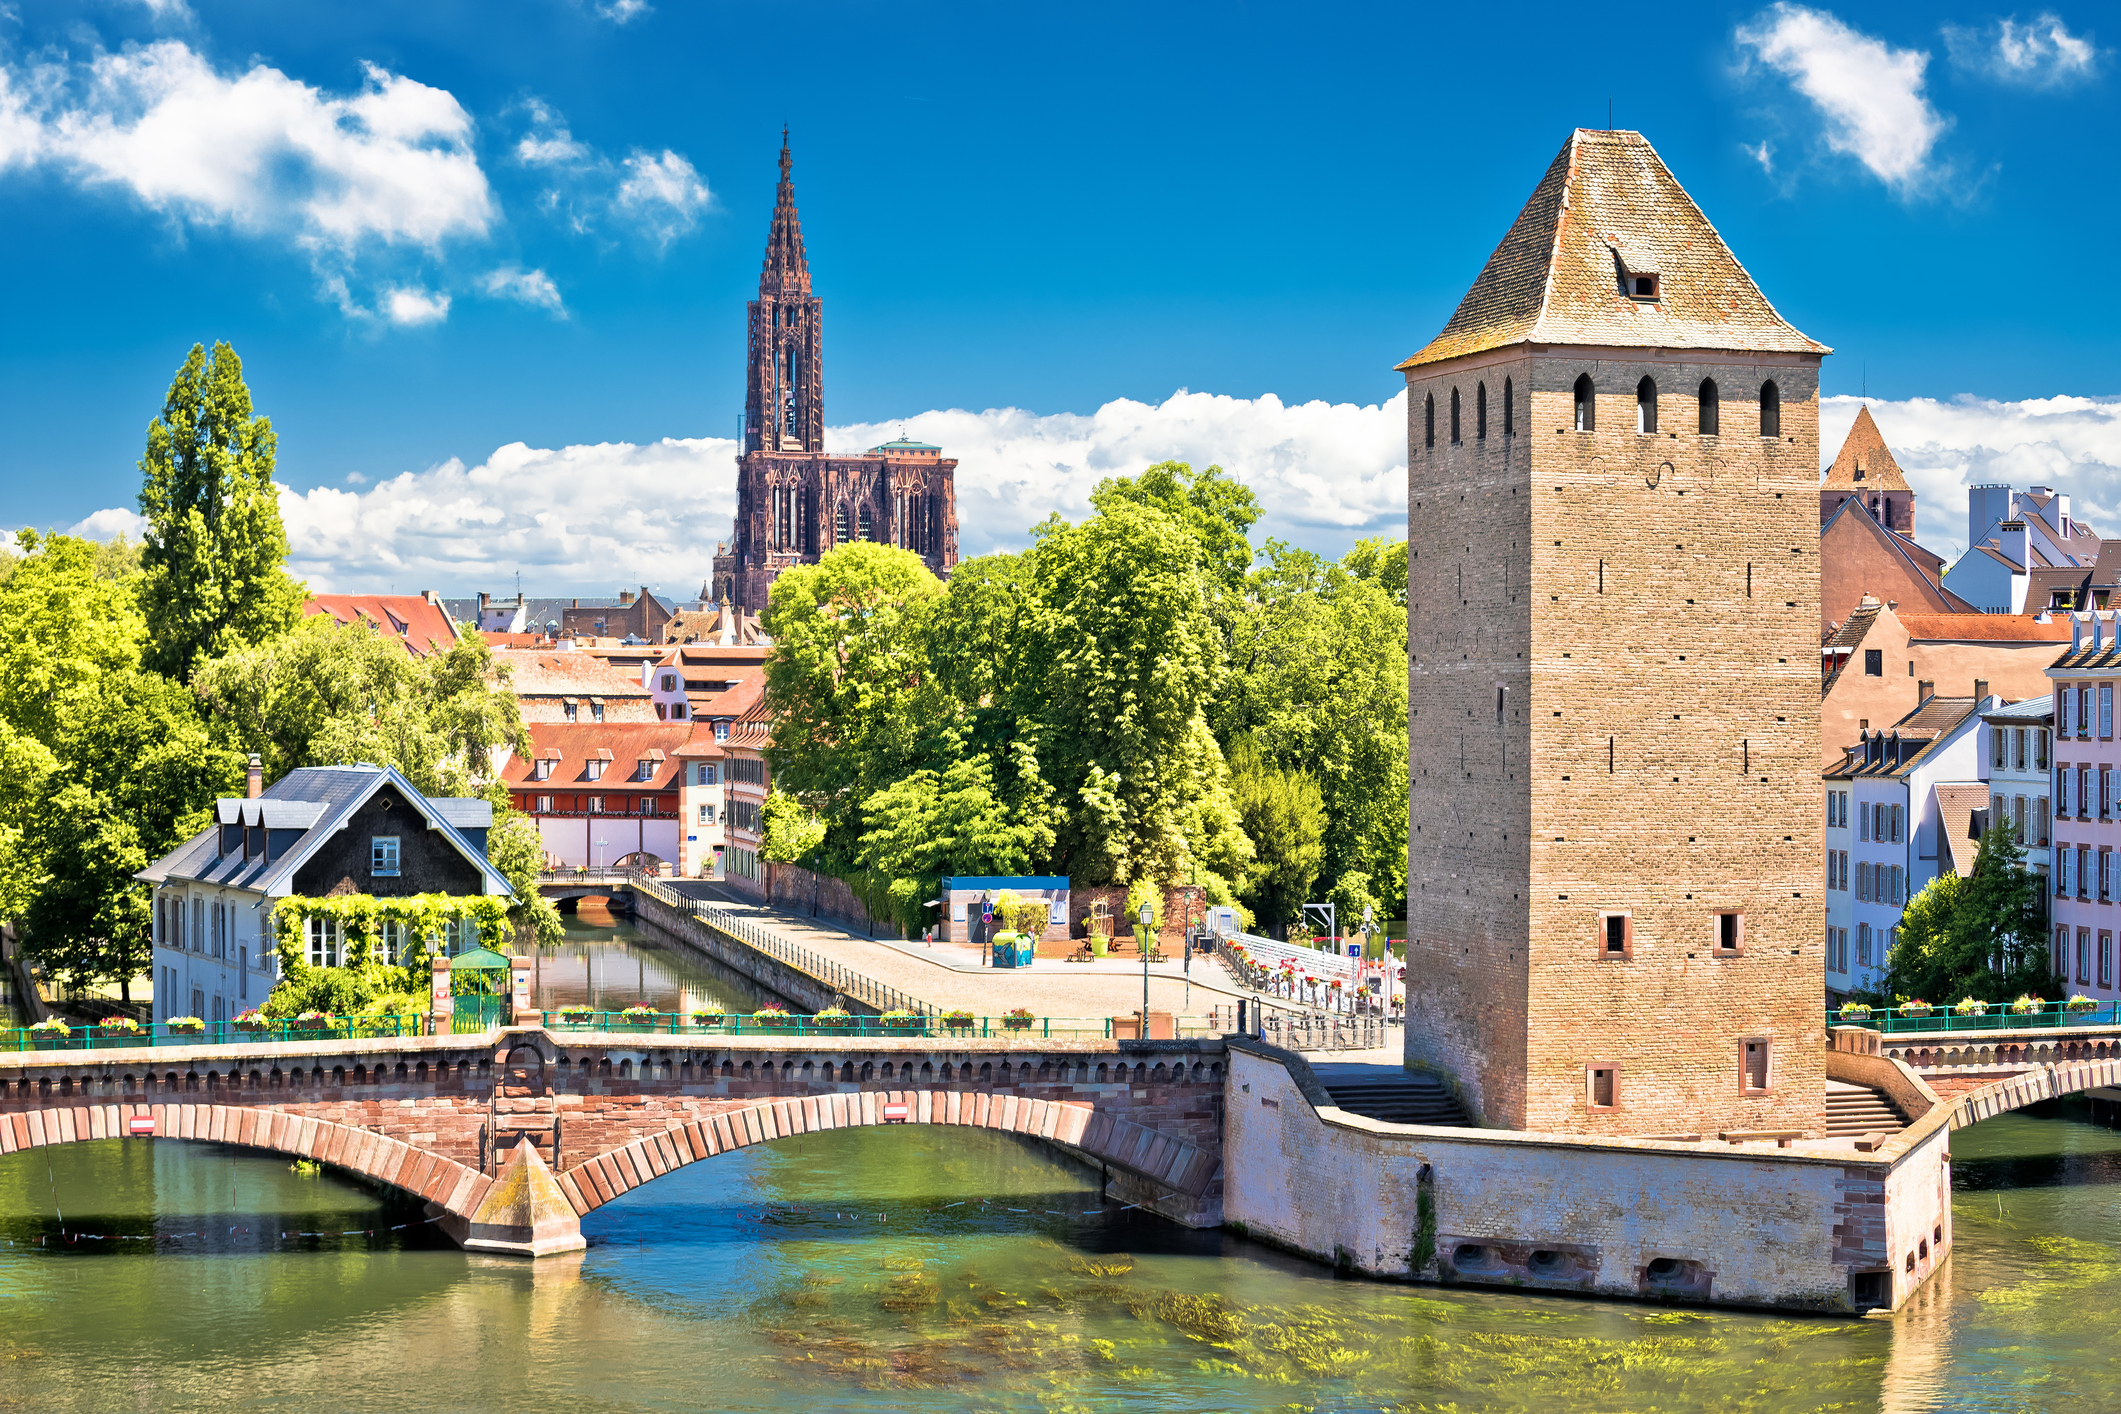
x: 1049, y: 988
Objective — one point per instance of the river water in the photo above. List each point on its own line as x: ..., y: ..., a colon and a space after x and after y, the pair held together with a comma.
x: 959, y: 1270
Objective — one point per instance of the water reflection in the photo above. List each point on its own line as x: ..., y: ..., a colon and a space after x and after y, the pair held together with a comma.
x: 608, y: 963
x: 960, y: 1270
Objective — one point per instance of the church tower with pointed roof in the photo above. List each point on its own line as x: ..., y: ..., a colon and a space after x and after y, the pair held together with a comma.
x: 1866, y: 473
x: 1613, y: 590
x: 794, y: 502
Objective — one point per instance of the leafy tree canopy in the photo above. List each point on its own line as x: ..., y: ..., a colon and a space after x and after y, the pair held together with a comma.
x: 215, y: 548
x: 1980, y: 936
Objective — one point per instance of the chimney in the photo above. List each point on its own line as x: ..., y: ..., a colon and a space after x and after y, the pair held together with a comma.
x: 255, y: 787
x: 625, y: 597
x: 1924, y: 691
x: 484, y: 600
x: 1980, y: 688
x: 2011, y: 541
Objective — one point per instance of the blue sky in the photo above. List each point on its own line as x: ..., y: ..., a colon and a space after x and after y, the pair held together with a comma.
x: 435, y: 231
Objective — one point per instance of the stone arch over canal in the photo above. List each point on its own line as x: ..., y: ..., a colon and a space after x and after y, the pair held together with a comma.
x: 2048, y: 1082
x: 549, y: 1128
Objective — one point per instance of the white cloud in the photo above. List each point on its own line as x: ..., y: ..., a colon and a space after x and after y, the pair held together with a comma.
x: 616, y: 513
x: 531, y: 287
x: 1869, y: 94
x: 620, y: 12
x: 2039, y: 54
x: 410, y: 308
x: 109, y: 524
x: 267, y: 153
x: 174, y: 12
x: 662, y: 194
x: 1947, y: 445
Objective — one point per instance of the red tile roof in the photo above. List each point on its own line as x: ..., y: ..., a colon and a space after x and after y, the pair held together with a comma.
x: 414, y: 620
x: 622, y: 744
x: 1984, y: 628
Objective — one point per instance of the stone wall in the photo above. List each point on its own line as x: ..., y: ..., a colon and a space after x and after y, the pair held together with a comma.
x: 794, y: 889
x: 1748, y: 1225
x: 1614, y: 708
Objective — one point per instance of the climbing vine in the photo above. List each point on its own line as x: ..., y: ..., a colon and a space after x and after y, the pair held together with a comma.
x: 361, y: 917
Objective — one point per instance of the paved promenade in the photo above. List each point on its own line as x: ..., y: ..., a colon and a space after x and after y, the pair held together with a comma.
x: 948, y: 976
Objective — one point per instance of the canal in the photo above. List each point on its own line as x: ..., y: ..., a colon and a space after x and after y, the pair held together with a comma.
x: 932, y: 1270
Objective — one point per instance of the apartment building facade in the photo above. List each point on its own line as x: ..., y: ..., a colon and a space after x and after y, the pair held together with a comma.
x: 2087, y: 817
x: 1897, y: 809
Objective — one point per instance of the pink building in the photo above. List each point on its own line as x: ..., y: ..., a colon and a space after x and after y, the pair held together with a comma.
x: 2087, y: 827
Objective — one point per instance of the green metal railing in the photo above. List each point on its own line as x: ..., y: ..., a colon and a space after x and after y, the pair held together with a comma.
x: 213, y: 1033
x: 945, y: 1027
x: 1893, y: 1021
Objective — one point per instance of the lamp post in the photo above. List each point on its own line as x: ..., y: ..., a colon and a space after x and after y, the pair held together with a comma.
x: 1147, y: 920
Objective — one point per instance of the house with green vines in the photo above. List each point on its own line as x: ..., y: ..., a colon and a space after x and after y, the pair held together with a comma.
x: 328, y: 867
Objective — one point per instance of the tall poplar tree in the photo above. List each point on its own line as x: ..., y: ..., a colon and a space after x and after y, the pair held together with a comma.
x: 215, y: 546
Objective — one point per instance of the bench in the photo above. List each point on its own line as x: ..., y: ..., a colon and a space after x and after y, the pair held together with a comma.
x: 1782, y: 1137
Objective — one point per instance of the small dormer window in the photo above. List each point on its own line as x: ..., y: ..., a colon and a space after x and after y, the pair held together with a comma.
x: 596, y: 770
x: 644, y: 771
x: 1642, y: 286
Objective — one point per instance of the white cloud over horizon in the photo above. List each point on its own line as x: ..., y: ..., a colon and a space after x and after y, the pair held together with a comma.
x: 1868, y: 95
x: 596, y: 517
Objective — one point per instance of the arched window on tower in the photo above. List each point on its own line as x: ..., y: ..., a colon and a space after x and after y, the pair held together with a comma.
x: 1454, y: 417
x: 1646, y: 406
x: 865, y: 527
x: 1509, y: 408
x: 1428, y: 421
x: 1480, y: 413
x: 1711, y: 408
x: 1770, y: 409
x: 1586, y: 404
x: 842, y: 526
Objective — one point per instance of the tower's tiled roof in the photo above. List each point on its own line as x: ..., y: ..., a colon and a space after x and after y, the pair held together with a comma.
x: 1608, y: 210
x: 1865, y: 463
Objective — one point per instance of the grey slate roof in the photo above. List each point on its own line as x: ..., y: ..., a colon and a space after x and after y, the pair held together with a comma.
x: 317, y: 800
x: 2032, y: 709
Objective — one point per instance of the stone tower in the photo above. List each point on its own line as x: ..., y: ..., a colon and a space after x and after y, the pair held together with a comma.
x: 793, y: 502
x: 1613, y: 585
x: 1865, y: 472
x: 784, y: 408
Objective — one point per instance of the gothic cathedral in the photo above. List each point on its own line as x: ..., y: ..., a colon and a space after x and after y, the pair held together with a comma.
x: 793, y: 501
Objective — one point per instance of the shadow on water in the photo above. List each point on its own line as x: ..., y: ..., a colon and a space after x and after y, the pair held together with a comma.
x: 2054, y: 1143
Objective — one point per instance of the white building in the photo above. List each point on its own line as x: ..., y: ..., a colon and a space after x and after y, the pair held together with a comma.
x: 317, y: 831
x: 2011, y: 535
x: 2016, y: 764
x: 1896, y: 808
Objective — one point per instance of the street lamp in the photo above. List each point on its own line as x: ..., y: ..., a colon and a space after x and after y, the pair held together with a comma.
x: 1147, y: 919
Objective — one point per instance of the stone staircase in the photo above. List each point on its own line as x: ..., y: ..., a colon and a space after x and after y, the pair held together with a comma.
x: 1853, y: 1111
x: 1397, y: 1099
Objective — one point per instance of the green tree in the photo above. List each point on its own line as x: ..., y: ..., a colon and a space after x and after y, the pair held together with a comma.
x: 855, y: 705
x: 517, y: 852
x: 1284, y: 815
x: 790, y: 831
x: 110, y: 765
x: 1216, y: 508
x: 934, y: 825
x: 1318, y: 678
x: 215, y: 547
x: 1980, y: 936
x: 1130, y: 656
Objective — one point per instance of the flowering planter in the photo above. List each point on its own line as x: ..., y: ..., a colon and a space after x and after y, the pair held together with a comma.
x: 2077, y: 1006
x: 1915, y: 1009
x: 105, y: 1038
x: 705, y: 1021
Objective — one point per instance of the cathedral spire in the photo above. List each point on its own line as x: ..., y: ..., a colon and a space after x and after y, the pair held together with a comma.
x: 787, y: 270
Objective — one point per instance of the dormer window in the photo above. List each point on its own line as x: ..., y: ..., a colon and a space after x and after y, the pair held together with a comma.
x: 596, y: 770
x: 1642, y: 286
x: 644, y: 771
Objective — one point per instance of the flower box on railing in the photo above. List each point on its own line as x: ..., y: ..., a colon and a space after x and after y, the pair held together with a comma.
x: 253, y: 1022
x: 186, y: 1026
x: 1970, y: 1006
x: 835, y: 1021
x: 709, y: 1020
x: 1914, y: 1008
x: 772, y: 1017
x: 1020, y: 1019
x: 2027, y: 1005
x: 959, y: 1021
x: 1855, y: 1013
x: 2080, y: 1004
x: 639, y: 1020
x: 52, y: 1035
x: 901, y: 1022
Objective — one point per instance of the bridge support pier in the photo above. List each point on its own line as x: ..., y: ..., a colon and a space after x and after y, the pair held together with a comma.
x: 524, y: 1214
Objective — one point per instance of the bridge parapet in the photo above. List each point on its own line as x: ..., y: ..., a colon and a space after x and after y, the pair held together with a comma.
x: 443, y: 1117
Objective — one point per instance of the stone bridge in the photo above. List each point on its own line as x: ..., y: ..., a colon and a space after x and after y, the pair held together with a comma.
x: 512, y: 1137
x: 1956, y: 1064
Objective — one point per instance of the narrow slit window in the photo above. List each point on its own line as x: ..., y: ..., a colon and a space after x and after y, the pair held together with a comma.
x: 1509, y: 408
x: 1454, y: 417
x: 1586, y: 404
x: 1616, y: 936
x: 1480, y: 413
x: 1770, y: 409
x: 1428, y: 421
x: 1711, y: 407
x: 1646, y: 406
x: 1730, y: 932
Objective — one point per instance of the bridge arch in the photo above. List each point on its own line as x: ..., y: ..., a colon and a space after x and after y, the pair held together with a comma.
x: 1161, y: 1158
x: 455, y: 1187
x: 2049, y: 1082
